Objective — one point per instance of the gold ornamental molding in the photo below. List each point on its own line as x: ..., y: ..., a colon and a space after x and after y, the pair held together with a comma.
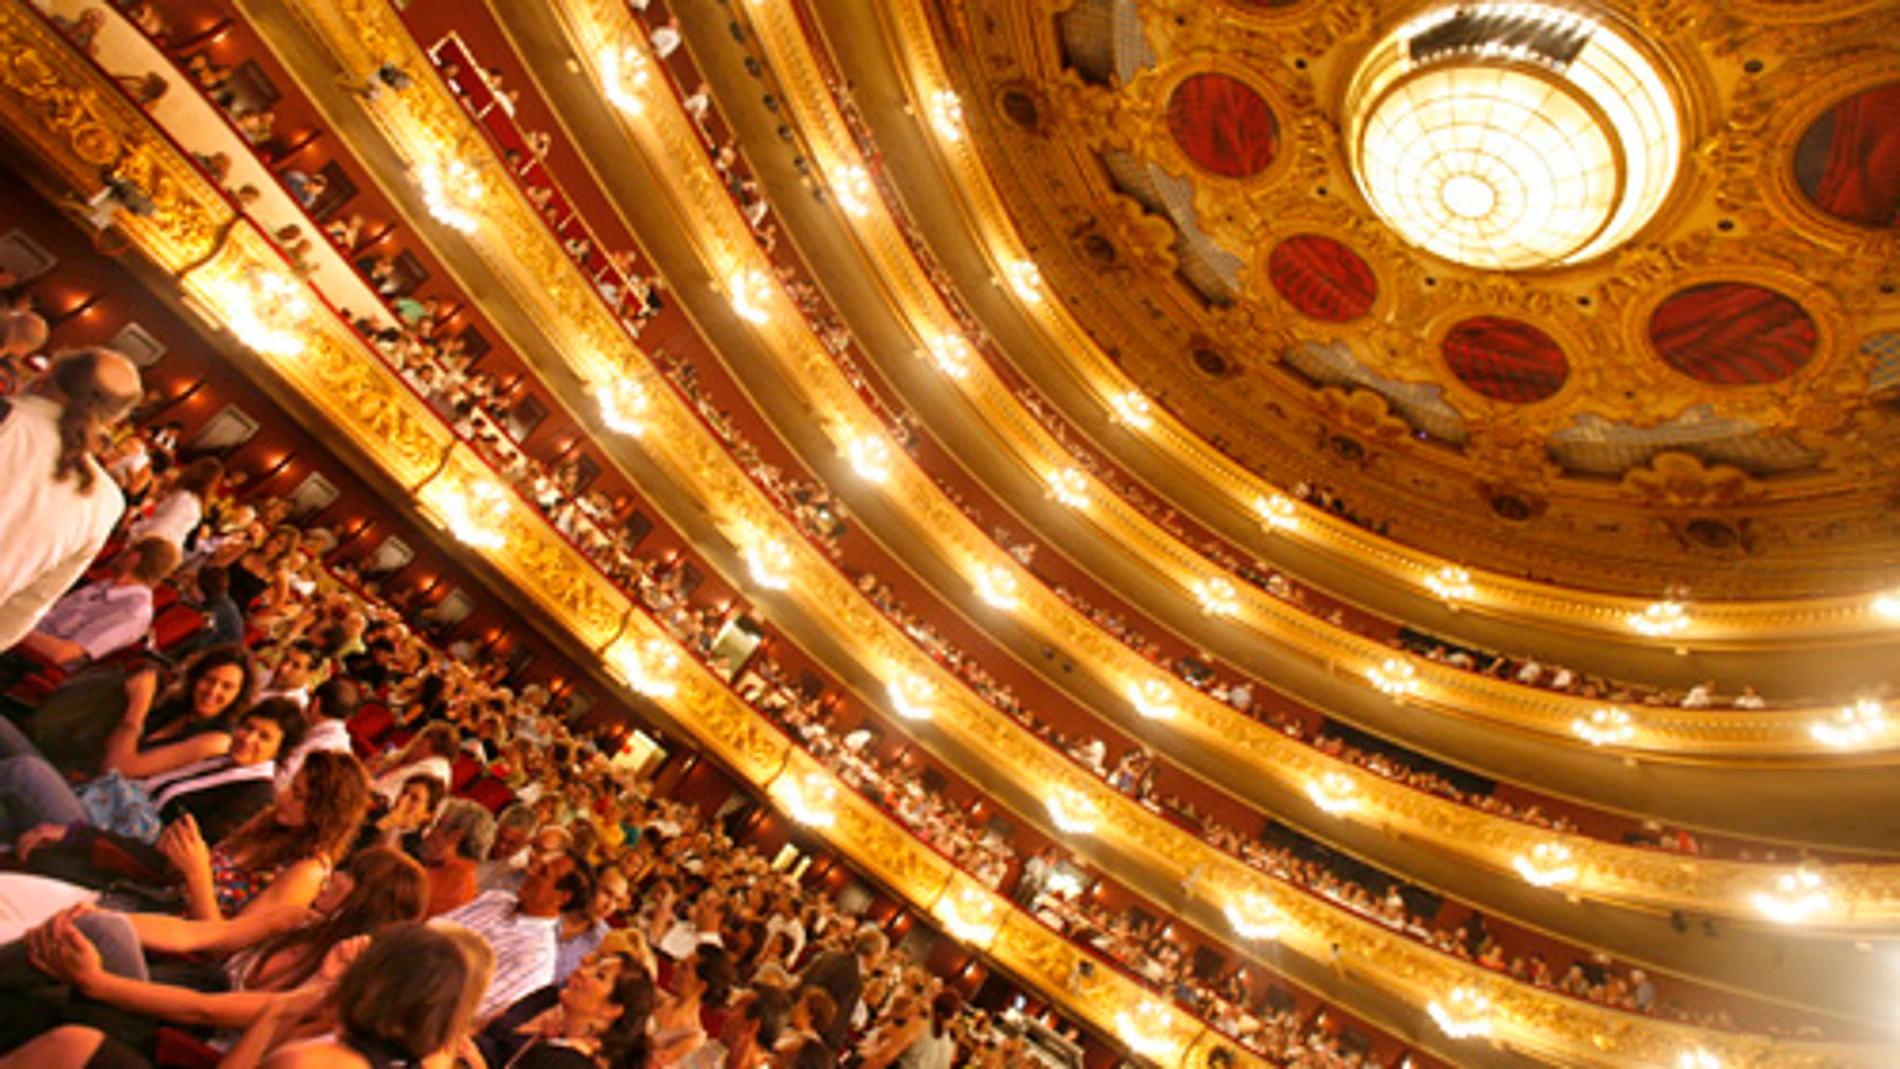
x: 1716, y: 624
x: 985, y: 731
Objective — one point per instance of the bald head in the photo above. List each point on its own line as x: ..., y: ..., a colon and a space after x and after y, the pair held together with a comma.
x: 104, y: 382
x: 96, y: 389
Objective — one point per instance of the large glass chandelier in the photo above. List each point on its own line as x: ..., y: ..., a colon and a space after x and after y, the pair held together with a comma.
x: 1512, y: 136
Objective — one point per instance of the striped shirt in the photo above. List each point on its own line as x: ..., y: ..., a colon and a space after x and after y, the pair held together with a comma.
x: 524, y: 947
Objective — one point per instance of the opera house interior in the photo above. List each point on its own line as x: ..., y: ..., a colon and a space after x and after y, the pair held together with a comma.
x: 722, y: 534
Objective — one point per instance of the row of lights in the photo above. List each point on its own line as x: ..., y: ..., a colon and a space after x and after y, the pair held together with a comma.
x: 1856, y: 726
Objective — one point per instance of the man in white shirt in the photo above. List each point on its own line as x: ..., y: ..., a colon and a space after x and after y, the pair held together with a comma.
x: 57, y: 506
x: 522, y: 927
x: 291, y: 679
x: 104, y: 617
x: 1700, y: 696
x: 333, y: 702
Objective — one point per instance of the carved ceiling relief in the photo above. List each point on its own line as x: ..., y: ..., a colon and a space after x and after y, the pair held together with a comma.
x: 1527, y: 354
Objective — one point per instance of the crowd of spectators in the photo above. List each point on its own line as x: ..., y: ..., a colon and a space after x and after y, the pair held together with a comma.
x: 283, y: 812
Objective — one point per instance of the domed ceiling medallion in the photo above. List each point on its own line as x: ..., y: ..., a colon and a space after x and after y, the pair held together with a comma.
x: 1221, y: 124
x: 1322, y: 278
x: 1505, y: 360
x: 1512, y: 136
x: 1733, y: 334
x: 1848, y: 161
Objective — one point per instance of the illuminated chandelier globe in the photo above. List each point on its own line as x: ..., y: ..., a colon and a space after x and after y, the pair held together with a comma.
x: 1512, y: 136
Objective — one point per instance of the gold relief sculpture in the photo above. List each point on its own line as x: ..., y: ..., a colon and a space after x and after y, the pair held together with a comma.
x: 1293, y: 202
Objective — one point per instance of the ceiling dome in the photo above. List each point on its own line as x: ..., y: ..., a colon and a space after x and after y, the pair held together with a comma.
x: 1512, y: 136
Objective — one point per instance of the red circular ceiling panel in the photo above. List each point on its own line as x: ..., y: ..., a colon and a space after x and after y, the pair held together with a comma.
x: 1322, y: 278
x: 1848, y: 162
x: 1506, y: 360
x: 1733, y: 334
x: 1223, y: 125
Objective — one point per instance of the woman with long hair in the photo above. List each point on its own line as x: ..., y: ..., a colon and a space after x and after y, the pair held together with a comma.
x: 915, y: 1038
x: 597, y: 1018
x: 181, y: 507
x: 73, y: 727
x: 376, y: 888
x: 279, y: 857
x: 408, y: 999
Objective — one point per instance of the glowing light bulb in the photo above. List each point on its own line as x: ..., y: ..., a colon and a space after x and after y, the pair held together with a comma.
x: 946, y: 115
x: 1335, y: 793
x: 1660, y: 619
x: 1452, y: 584
x: 624, y: 75
x: 624, y: 406
x: 1132, y: 410
x: 1464, y: 1014
x: 770, y: 563
x: 1217, y: 596
x: 1255, y: 917
x: 870, y: 457
x: 1070, y: 487
x: 911, y: 695
x: 852, y: 189
x: 452, y: 193
x: 951, y: 354
x: 747, y: 291
x: 996, y: 585
x: 1072, y: 811
x: 1547, y: 865
x: 1604, y: 727
x: 651, y: 669
x: 1153, y: 699
x: 1026, y: 279
x: 1394, y: 676
x: 1854, y: 726
x: 1796, y: 896
x: 1277, y: 513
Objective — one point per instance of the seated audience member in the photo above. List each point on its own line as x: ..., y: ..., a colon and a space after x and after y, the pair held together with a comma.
x: 509, y: 852
x: 102, y: 618
x: 451, y: 849
x: 522, y: 927
x: 224, y: 619
x: 430, y: 754
x: 408, y: 1000
x: 72, y: 726
x: 400, y: 823
x: 597, y: 1017
x: 842, y: 974
x: 585, y: 927
x: 181, y: 506
x: 277, y: 858
x: 220, y: 789
x: 57, y: 504
x: 332, y: 703
x: 270, y: 951
x: 298, y: 670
